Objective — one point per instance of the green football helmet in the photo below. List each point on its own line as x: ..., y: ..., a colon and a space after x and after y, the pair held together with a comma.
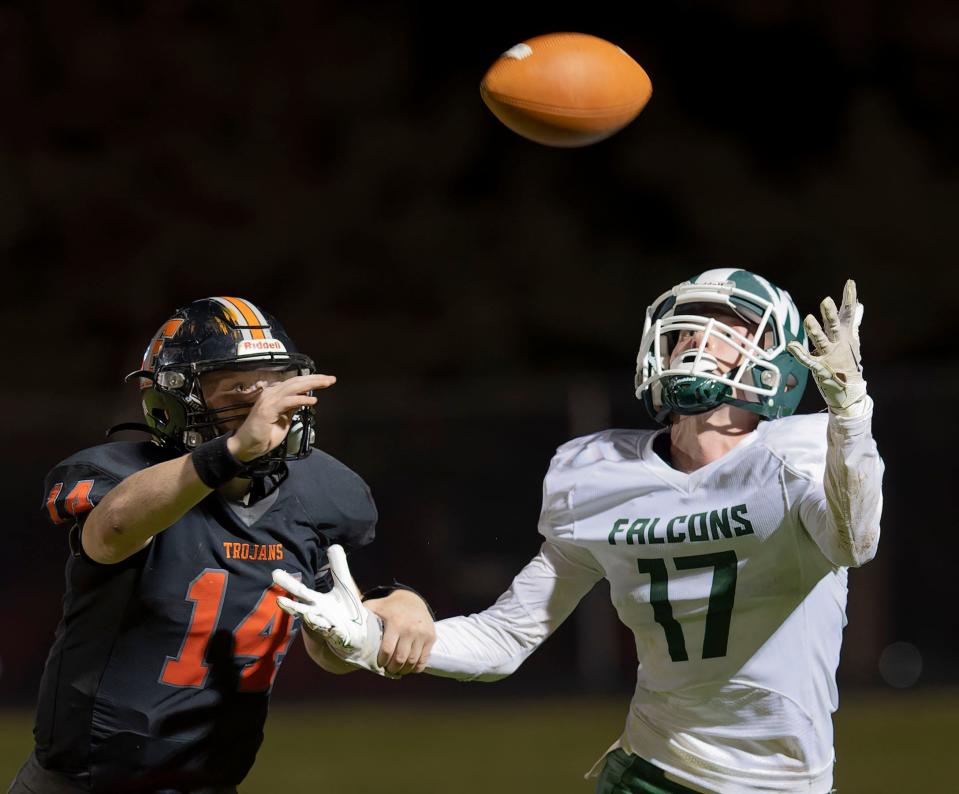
x: 767, y: 380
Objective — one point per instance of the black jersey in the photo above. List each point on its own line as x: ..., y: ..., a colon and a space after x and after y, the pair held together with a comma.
x: 160, y: 674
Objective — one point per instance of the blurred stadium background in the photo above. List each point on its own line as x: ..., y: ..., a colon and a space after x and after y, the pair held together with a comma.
x: 480, y: 300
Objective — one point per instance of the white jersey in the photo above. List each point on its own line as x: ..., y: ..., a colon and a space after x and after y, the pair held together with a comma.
x: 731, y: 578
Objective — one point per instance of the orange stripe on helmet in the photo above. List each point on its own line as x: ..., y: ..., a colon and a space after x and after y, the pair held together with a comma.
x: 247, y: 314
x: 169, y: 329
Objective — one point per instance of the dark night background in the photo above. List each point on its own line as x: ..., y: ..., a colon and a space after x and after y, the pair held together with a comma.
x: 479, y: 297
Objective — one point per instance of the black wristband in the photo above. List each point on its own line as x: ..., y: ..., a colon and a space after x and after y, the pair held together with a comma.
x: 214, y: 463
x: 383, y: 590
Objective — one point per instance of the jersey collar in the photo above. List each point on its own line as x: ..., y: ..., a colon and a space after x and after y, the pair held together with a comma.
x: 681, y: 480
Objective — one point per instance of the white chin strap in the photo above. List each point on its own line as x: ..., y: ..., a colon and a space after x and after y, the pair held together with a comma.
x: 686, y: 361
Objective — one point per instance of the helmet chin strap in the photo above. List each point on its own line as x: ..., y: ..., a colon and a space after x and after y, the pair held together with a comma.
x: 687, y: 361
x: 693, y: 392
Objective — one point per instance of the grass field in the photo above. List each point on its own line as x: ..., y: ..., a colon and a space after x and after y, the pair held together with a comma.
x: 896, y: 743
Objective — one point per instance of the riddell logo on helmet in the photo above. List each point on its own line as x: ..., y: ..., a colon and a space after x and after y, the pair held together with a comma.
x: 248, y: 346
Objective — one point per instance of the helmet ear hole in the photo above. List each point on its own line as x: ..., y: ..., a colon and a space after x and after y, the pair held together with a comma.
x: 160, y: 415
x: 791, y: 382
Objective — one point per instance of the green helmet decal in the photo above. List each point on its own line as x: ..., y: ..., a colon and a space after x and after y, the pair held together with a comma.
x: 766, y: 380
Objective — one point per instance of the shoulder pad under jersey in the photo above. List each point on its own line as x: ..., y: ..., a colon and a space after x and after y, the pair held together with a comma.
x: 337, y: 500
x: 565, y: 468
x: 799, y: 441
x: 614, y: 444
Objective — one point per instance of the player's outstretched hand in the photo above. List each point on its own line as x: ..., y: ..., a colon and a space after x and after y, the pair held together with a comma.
x: 351, y: 631
x: 270, y: 418
x: 836, y: 364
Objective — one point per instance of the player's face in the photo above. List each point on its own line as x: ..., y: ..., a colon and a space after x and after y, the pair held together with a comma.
x: 237, y: 389
x: 726, y: 355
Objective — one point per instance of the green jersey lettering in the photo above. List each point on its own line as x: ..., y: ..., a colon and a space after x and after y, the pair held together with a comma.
x: 719, y: 524
x: 636, y: 530
x: 739, y: 513
x: 671, y: 537
x: 617, y: 527
x: 653, y: 538
x: 697, y: 527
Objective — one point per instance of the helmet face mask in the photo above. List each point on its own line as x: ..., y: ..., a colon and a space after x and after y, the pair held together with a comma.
x: 765, y: 379
x: 213, y: 335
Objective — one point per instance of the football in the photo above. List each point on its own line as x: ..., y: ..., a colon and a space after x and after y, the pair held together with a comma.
x: 566, y: 89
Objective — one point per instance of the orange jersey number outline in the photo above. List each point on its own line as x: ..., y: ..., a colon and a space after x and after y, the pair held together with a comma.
x: 262, y: 636
x: 76, y: 503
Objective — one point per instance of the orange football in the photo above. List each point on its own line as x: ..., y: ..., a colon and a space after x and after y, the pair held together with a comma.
x: 566, y: 89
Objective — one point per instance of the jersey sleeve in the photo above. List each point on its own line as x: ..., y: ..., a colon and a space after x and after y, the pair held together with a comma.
x: 556, y: 516
x: 841, y: 505
x: 493, y: 643
x: 75, y: 486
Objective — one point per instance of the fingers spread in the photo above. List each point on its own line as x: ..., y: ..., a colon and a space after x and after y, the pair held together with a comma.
x: 299, y: 610
x: 849, y: 293
x: 850, y: 313
x: 293, y: 586
x: 336, y: 554
x: 816, y: 334
x: 798, y: 352
x: 340, y: 568
x: 303, y: 383
x: 293, y: 402
x: 830, y: 316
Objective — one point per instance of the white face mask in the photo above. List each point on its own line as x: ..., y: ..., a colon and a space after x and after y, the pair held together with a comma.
x: 754, y: 376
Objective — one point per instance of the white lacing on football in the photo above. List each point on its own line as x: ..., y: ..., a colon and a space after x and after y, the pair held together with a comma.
x: 518, y: 52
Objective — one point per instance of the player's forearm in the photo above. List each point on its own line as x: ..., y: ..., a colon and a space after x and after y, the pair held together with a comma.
x: 492, y: 644
x: 482, y: 647
x: 144, y: 504
x: 852, y: 484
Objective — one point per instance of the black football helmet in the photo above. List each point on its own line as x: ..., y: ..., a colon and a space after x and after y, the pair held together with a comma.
x: 216, y: 334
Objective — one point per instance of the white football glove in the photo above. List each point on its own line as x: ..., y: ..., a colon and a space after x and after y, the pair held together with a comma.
x: 351, y: 631
x: 836, y: 364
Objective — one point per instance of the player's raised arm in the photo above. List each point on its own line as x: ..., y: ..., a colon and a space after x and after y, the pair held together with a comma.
x: 150, y: 500
x: 843, y: 518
